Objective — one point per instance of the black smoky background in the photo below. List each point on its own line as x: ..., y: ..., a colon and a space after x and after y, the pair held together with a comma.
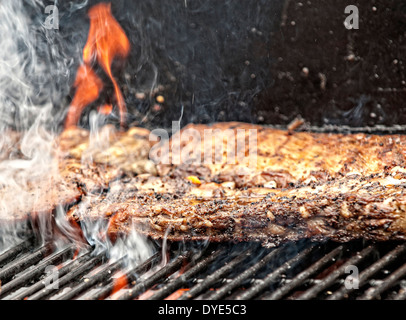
x: 261, y: 61
x: 208, y: 59
x: 334, y: 76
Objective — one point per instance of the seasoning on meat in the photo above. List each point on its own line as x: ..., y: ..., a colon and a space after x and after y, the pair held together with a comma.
x: 304, y: 185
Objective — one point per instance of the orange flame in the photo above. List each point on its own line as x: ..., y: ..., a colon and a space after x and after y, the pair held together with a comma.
x: 106, y: 41
x: 106, y: 109
x: 88, y: 87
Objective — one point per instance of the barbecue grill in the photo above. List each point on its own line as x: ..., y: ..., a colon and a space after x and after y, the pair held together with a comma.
x: 294, y: 271
x: 37, y: 269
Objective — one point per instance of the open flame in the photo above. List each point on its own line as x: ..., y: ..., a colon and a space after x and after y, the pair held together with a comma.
x: 106, y: 41
x: 88, y: 86
x: 106, y: 109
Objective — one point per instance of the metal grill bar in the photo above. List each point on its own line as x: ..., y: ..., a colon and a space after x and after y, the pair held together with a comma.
x: 68, y: 278
x: 31, y: 273
x: 260, y: 273
x: 220, y: 293
x: 40, y: 285
x: 273, y: 276
x: 183, y: 278
x: 88, y: 282
x: 130, y: 276
x: 214, y: 277
x: 388, y: 282
x: 304, y: 275
x: 401, y: 295
x: 14, y: 251
x: 332, y: 277
x: 24, y: 261
x: 155, y: 278
x: 369, y: 272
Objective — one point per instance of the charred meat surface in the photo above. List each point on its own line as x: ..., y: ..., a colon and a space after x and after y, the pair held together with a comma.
x: 372, y: 207
x: 303, y: 185
x: 286, y: 157
x: 81, y: 163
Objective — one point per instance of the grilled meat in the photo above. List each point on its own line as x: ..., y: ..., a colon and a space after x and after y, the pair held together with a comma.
x: 372, y: 207
x: 300, y: 185
x: 82, y: 163
x: 286, y: 158
x: 126, y: 151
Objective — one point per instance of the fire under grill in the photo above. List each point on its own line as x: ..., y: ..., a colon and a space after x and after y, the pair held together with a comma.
x: 303, y: 270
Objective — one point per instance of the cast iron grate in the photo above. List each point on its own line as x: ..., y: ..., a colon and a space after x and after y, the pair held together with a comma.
x: 298, y: 270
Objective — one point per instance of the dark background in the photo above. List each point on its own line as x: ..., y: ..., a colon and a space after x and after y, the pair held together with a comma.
x: 247, y: 61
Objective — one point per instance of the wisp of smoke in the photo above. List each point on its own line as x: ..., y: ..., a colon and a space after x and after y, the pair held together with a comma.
x: 34, y: 74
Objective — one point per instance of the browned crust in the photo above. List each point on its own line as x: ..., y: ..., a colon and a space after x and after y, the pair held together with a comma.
x: 369, y: 208
x: 80, y: 164
x: 304, y: 185
x: 288, y: 157
x: 348, y: 172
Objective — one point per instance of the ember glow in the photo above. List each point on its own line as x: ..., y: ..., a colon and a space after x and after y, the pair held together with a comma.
x: 106, y: 41
x: 119, y: 282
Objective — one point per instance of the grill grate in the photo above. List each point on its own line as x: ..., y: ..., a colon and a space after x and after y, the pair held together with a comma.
x: 300, y: 270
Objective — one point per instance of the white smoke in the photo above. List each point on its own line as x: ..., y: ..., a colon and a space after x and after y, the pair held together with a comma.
x: 31, y: 72
x: 32, y: 66
x: 35, y: 79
